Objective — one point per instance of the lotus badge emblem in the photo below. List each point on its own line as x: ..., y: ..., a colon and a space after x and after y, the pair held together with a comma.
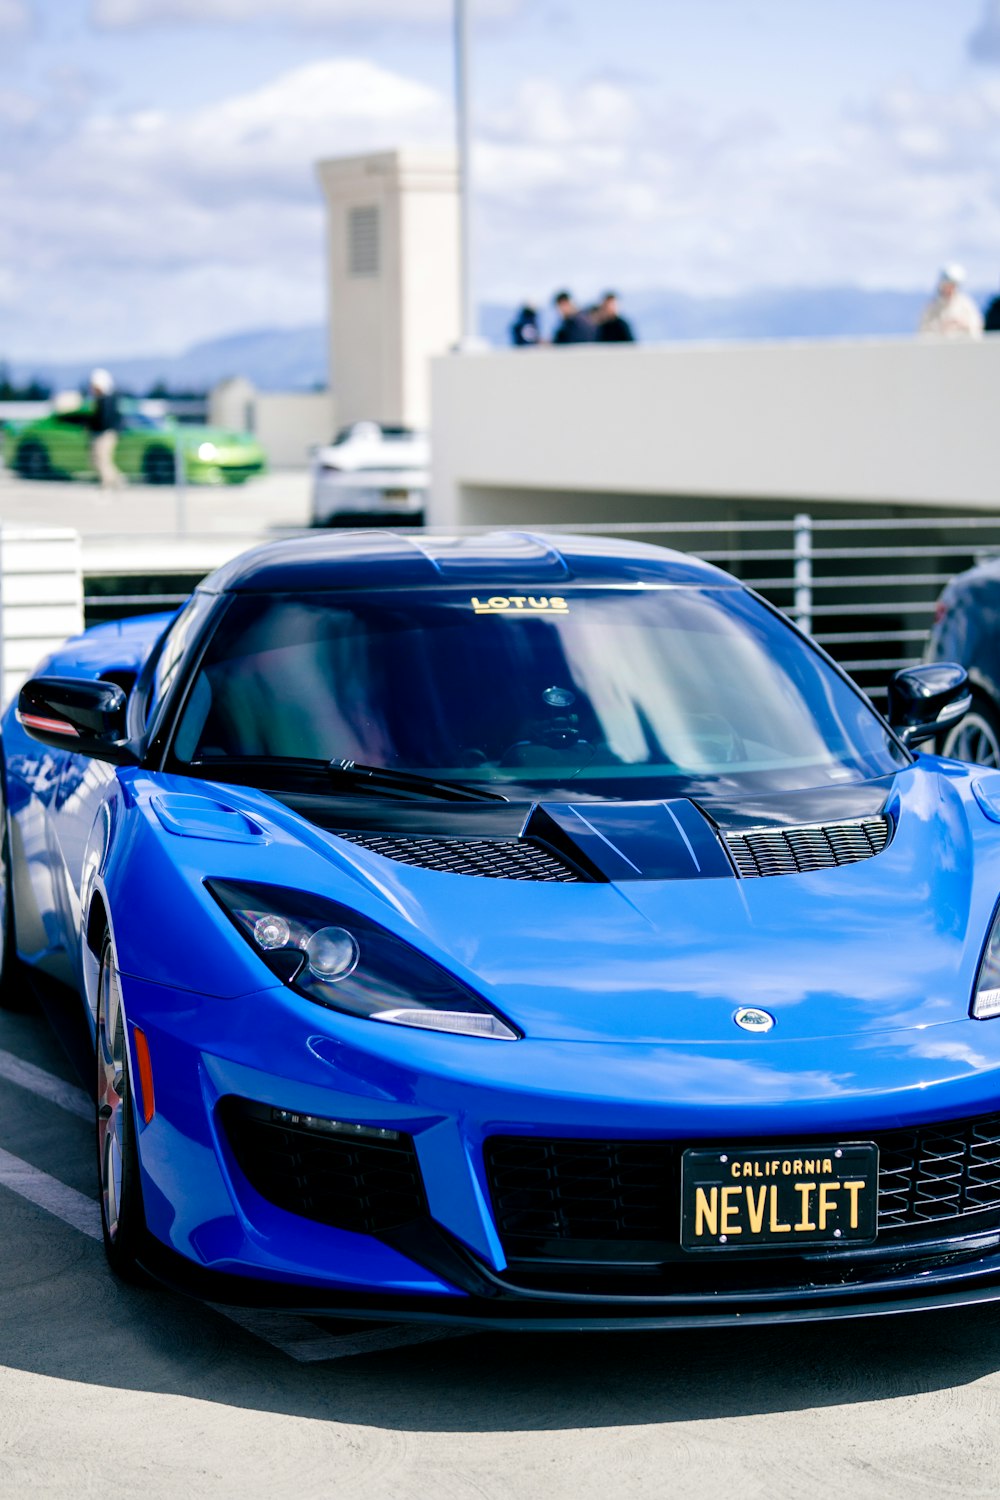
x: 749, y: 1018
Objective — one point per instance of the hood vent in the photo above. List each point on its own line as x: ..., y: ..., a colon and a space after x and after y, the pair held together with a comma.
x: 498, y: 859
x: 795, y: 851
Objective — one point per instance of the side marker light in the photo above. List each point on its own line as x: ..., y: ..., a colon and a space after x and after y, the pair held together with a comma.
x: 147, y: 1099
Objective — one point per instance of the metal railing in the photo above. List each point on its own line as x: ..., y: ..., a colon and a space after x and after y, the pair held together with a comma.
x: 865, y: 589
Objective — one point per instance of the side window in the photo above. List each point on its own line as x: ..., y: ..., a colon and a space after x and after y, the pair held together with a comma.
x: 172, y: 651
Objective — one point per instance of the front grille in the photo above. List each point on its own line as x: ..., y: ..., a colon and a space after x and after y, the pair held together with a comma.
x: 938, y: 1172
x: 793, y: 851
x: 498, y: 859
x: 369, y: 1186
x: 628, y: 1192
x: 238, y: 471
x: 584, y: 1190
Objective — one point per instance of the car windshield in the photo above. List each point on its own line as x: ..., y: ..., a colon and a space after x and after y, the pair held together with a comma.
x: 140, y: 422
x: 624, y: 692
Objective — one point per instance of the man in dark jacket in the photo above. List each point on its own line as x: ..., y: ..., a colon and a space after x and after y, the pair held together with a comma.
x: 105, y: 421
x: 991, y: 321
x: 612, y: 328
x: 574, y: 328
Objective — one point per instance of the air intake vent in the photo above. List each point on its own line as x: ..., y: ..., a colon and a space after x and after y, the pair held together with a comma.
x: 497, y: 859
x: 363, y: 241
x: 360, y: 1183
x: 564, y: 1190
x: 794, y: 851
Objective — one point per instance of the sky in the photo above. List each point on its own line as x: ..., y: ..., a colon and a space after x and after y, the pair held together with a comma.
x: 156, y: 156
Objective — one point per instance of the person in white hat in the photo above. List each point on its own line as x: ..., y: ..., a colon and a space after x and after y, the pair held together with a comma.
x: 950, y: 313
x: 105, y: 421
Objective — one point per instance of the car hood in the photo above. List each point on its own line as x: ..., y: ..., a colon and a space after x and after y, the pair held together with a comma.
x: 890, y: 942
x: 402, y: 456
x: 194, y: 436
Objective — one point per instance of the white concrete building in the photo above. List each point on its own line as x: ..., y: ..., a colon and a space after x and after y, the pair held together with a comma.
x: 289, y: 424
x: 634, y: 433
x: 393, y: 278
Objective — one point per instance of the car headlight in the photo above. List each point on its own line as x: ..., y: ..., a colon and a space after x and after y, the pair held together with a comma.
x: 207, y: 451
x: 339, y: 959
x: 986, y: 997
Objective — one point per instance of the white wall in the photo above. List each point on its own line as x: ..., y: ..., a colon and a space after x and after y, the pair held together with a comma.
x: 287, y: 423
x: 576, y: 433
x: 388, y: 320
x: 41, y: 598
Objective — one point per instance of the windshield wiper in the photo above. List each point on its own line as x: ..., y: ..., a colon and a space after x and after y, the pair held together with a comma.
x: 266, y: 770
x: 383, y: 777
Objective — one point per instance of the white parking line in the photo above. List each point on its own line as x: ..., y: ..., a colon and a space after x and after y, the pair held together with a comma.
x: 74, y: 1208
x: 299, y: 1338
x: 309, y: 1344
x: 46, y: 1085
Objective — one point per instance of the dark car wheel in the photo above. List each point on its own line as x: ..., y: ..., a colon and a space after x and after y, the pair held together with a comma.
x: 123, y: 1218
x: 977, y: 737
x: 32, y: 461
x: 158, y: 466
x: 15, y: 989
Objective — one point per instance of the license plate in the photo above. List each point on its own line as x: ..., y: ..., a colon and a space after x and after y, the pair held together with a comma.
x: 733, y: 1199
x: 397, y: 497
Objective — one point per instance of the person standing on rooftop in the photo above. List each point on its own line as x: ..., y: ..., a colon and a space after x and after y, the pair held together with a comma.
x: 524, y: 331
x: 612, y: 328
x: 574, y: 327
x: 951, y: 313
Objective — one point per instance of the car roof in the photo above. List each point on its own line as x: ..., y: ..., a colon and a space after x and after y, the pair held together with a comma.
x: 387, y: 559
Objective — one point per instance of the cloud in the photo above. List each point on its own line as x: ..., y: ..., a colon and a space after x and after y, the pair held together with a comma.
x: 612, y: 184
x: 151, y: 229
x: 16, y: 17
x: 984, y: 42
x: 325, y: 13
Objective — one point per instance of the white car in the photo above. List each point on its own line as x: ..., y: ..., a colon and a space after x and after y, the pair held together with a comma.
x: 370, y: 471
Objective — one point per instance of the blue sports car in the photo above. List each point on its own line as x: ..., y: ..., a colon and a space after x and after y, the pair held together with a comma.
x: 516, y: 929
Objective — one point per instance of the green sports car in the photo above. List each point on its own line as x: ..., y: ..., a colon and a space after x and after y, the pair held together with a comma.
x: 58, y: 447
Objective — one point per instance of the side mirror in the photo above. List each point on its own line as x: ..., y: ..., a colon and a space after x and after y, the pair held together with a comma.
x: 76, y: 716
x: 925, y: 700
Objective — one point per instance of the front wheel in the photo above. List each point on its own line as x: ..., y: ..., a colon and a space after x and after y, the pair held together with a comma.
x: 976, y: 738
x: 123, y: 1218
x: 15, y: 992
x: 32, y: 461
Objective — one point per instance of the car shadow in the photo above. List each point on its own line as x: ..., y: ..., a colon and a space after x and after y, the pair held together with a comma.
x: 81, y: 1325
x: 63, y: 1315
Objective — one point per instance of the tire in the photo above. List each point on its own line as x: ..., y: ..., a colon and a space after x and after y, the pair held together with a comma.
x: 158, y: 466
x: 123, y: 1218
x: 976, y: 738
x: 32, y: 461
x: 15, y: 988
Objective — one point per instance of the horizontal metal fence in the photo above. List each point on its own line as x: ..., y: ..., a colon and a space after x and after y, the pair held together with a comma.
x: 864, y: 588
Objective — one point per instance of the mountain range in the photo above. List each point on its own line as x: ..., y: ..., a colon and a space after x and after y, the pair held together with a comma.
x: 289, y: 359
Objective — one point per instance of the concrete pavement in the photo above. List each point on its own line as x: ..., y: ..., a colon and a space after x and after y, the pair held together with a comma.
x: 251, y: 510
x: 104, y: 1387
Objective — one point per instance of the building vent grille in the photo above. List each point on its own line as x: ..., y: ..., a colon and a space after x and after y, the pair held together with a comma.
x: 363, y: 241
x: 794, y: 851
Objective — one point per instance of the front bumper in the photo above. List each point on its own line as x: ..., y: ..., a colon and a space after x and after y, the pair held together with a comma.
x: 214, y: 1234
x: 332, y: 498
